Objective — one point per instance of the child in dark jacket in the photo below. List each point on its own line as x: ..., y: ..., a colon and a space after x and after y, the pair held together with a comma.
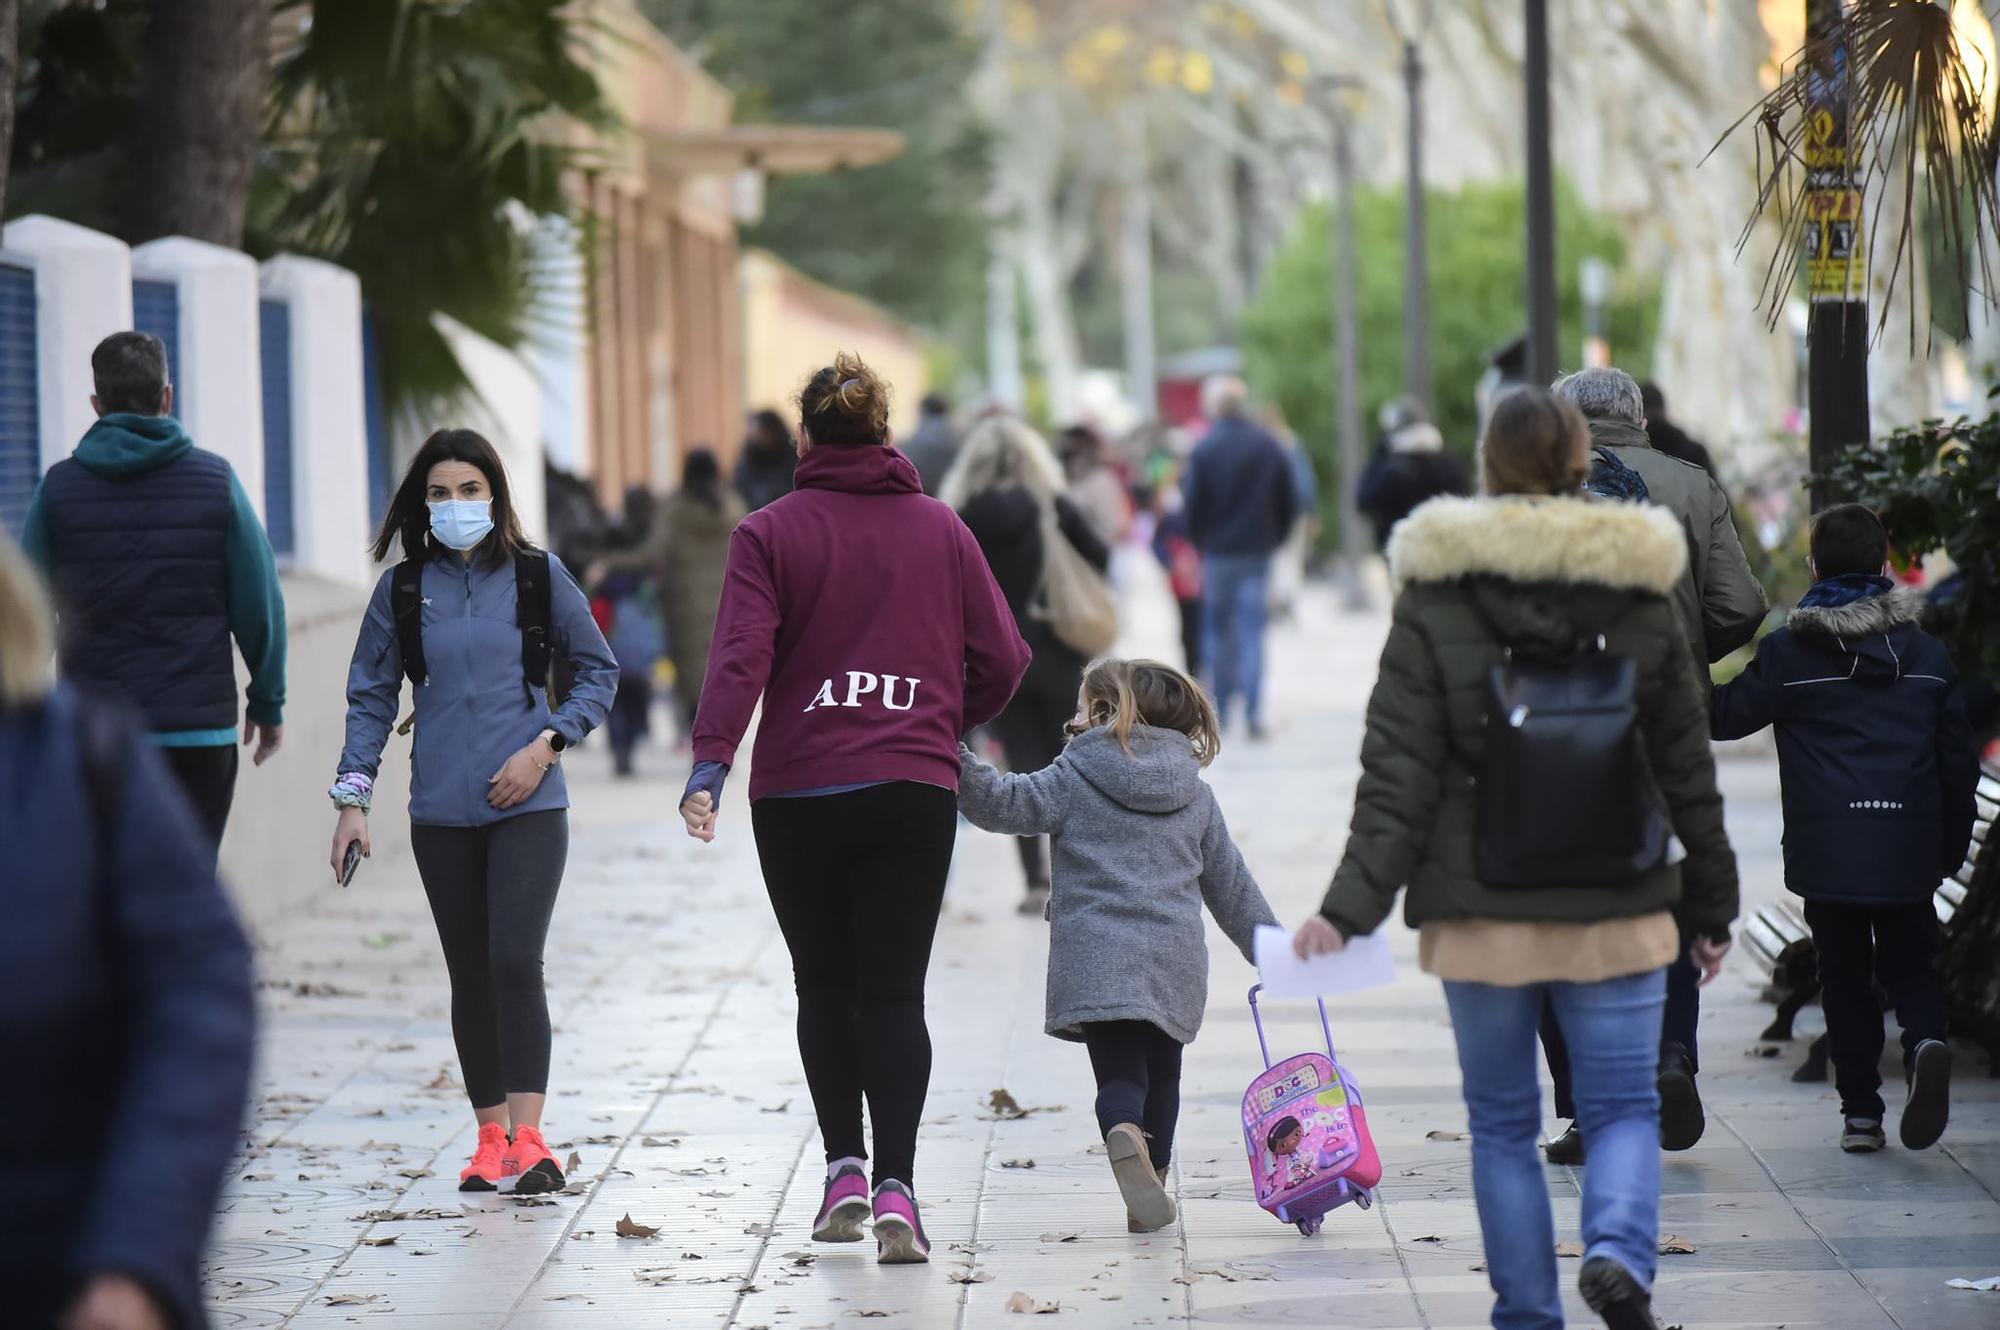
x: 1878, y: 768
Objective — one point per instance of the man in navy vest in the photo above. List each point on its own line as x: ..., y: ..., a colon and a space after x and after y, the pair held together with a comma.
x: 157, y: 560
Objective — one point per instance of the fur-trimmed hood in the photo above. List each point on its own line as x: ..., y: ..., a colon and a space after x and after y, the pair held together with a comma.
x: 1577, y: 541
x: 1861, y: 618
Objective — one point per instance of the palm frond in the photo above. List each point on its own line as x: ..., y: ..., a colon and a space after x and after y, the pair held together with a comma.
x: 1916, y: 132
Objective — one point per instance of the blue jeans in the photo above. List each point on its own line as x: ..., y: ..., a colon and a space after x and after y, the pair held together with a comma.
x: 1613, y: 1029
x: 1235, y: 604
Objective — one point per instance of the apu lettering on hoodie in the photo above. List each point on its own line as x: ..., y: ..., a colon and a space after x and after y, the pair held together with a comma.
x: 861, y: 684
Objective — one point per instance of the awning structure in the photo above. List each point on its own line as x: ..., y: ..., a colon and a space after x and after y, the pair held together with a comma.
x: 771, y: 149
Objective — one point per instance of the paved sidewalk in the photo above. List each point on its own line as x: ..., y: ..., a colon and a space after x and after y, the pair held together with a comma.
x: 677, y: 1085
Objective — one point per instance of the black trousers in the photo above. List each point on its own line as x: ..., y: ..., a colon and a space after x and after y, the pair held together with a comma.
x: 1138, y: 1069
x: 1030, y: 730
x: 1860, y: 946
x: 856, y: 881
x: 1191, y: 634
x: 208, y: 775
x: 492, y: 891
x: 1679, y: 1027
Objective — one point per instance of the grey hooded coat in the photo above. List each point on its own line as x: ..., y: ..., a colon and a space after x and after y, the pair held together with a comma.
x: 1140, y: 845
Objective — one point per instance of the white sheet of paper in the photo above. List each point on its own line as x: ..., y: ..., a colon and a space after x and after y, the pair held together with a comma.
x: 1363, y: 963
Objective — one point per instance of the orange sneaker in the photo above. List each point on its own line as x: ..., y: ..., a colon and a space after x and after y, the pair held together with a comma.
x: 529, y: 1156
x: 488, y: 1164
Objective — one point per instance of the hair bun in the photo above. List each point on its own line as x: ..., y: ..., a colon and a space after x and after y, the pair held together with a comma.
x: 845, y: 402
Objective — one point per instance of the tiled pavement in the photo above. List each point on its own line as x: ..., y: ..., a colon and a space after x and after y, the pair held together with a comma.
x: 678, y: 1085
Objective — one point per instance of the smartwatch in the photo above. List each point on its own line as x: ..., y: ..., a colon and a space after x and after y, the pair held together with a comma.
x: 555, y: 740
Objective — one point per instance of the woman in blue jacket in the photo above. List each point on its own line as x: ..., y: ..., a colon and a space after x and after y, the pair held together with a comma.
x: 126, y: 1011
x: 488, y: 819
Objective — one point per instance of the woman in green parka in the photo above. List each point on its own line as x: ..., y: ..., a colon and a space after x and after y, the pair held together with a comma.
x: 1536, y: 563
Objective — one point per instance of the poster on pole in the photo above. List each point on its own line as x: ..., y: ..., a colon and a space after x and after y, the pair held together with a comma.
x: 1835, y: 260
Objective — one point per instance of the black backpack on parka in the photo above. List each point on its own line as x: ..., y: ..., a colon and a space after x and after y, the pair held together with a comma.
x: 1566, y: 793
x: 533, y: 610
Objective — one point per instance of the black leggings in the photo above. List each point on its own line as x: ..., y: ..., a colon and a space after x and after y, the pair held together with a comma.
x: 1030, y: 730
x: 856, y: 881
x: 1138, y: 1068
x: 492, y: 890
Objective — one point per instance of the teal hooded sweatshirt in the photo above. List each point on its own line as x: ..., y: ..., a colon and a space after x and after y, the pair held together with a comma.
x: 122, y: 444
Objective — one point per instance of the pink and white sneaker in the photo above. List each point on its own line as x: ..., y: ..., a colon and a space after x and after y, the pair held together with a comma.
x: 899, y: 1234
x: 845, y: 1207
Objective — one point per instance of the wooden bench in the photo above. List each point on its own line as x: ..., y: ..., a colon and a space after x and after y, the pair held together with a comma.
x: 1968, y: 907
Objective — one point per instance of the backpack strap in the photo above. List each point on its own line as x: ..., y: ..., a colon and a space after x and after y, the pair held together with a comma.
x: 406, y: 606
x: 534, y: 608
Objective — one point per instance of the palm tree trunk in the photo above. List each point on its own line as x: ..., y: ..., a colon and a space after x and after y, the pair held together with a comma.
x: 10, y: 67
x: 207, y: 63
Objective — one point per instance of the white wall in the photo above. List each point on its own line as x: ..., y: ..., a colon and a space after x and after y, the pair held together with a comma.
x: 329, y: 417
x: 220, y: 399
x: 83, y: 294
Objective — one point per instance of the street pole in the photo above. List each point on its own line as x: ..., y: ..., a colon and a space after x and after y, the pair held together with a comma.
x: 1347, y: 354
x: 1542, y: 355
x: 1416, y: 242
x: 1135, y: 273
x: 1836, y: 266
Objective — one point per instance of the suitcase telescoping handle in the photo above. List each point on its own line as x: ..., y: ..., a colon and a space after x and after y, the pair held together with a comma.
x: 1325, y: 1026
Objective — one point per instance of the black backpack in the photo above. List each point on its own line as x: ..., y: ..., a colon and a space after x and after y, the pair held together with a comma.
x: 1566, y: 793
x: 534, y: 607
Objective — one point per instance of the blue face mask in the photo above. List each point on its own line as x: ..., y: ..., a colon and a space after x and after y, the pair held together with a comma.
x: 462, y: 523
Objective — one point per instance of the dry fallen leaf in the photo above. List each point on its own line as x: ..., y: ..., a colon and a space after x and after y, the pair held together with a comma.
x: 1017, y: 1163
x: 653, y: 1276
x: 1060, y: 1237
x: 801, y: 1258
x: 1442, y: 1135
x: 625, y: 1228
x: 351, y: 1299
x: 1004, y: 1105
x: 389, y: 1241
x: 1021, y: 1302
x: 654, y: 1142
x: 760, y: 1230
x: 968, y: 1276
x: 1569, y: 1249
x: 1428, y: 1237
x: 573, y: 1163
x: 1675, y: 1245
x: 869, y: 1313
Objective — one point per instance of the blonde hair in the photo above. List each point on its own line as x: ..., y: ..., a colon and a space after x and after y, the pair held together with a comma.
x: 1124, y: 693
x: 27, y: 634
x: 845, y: 403
x: 1001, y: 451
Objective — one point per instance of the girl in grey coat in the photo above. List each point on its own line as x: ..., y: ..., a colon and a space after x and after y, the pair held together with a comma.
x: 1139, y: 845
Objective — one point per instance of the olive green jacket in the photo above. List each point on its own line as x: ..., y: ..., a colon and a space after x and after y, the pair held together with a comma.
x: 1473, y: 576
x: 1719, y: 600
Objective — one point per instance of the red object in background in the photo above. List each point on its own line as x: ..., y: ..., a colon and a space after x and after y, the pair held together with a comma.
x: 605, y: 611
x: 1179, y: 401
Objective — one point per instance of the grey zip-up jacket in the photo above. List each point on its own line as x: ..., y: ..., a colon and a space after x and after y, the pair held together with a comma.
x: 1140, y: 845
x: 477, y: 709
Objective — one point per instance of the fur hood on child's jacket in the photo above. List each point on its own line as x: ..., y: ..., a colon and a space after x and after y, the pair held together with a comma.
x: 1140, y: 845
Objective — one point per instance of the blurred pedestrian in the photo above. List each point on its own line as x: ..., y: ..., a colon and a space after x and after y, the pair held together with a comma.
x: 127, y: 1012
x: 1720, y: 605
x: 1524, y: 893
x: 157, y: 559
x: 475, y: 616
x: 934, y: 446
x: 1182, y: 561
x: 1288, y: 565
x: 1241, y: 502
x: 764, y: 470
x: 1007, y: 486
x: 1668, y: 437
x: 863, y: 616
x: 687, y: 550
x: 1880, y: 777
x: 1094, y: 484
x: 1411, y: 468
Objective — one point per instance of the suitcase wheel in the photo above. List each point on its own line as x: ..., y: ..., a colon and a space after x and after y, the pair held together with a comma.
x: 1364, y: 1199
x: 1310, y: 1226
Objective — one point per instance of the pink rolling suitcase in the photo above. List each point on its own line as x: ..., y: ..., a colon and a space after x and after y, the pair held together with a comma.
x: 1307, y: 1133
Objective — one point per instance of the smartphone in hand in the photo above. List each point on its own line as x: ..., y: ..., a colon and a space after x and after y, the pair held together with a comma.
x: 351, y: 862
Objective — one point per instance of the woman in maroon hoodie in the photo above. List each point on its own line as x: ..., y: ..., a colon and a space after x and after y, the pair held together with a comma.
x: 864, y: 616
